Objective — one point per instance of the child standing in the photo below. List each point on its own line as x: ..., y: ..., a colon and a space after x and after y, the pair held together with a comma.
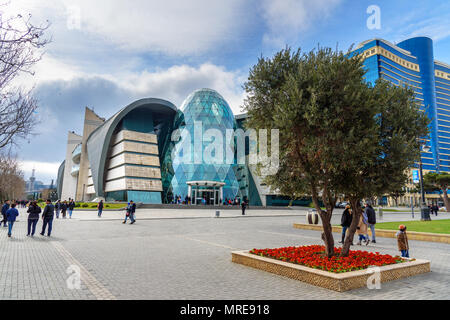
x: 402, y: 241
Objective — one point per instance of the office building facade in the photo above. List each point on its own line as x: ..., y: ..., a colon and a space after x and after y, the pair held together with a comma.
x: 412, y: 62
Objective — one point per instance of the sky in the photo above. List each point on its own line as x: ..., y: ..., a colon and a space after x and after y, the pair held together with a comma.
x: 105, y: 54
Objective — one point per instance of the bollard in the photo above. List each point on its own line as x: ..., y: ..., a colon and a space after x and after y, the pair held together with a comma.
x: 312, y: 217
x: 217, y: 213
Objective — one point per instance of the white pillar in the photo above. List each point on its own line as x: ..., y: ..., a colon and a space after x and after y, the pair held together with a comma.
x: 221, y: 194
x: 189, y: 192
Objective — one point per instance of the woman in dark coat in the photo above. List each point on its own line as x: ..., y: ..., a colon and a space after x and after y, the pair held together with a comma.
x: 34, y: 210
x: 346, y: 221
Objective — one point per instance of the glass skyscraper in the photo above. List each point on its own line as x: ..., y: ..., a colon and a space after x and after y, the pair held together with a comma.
x: 412, y: 62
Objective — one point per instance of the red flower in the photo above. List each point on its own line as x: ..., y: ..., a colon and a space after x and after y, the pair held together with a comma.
x: 313, y: 256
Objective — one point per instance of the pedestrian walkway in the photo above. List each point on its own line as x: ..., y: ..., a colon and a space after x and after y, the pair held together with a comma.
x: 184, y: 259
x: 145, y: 214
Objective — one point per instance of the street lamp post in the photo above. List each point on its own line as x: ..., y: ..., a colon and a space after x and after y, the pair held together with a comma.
x: 424, y: 210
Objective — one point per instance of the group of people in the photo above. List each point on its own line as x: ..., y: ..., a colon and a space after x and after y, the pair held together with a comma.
x: 64, y: 206
x: 434, y: 209
x: 368, y: 220
x: 10, y: 214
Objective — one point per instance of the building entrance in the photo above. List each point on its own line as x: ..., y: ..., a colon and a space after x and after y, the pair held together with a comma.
x: 205, y: 192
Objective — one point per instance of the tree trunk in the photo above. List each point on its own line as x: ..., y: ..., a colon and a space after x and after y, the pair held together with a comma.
x: 327, y: 234
x: 356, y: 213
x: 446, y: 202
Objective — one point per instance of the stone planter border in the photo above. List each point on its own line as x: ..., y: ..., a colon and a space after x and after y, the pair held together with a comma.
x: 412, y: 235
x: 333, y: 281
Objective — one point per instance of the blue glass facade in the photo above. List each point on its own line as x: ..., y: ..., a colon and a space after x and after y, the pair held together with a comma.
x: 204, y: 111
x: 411, y: 62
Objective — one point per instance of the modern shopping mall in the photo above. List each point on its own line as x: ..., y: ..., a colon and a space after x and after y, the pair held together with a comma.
x: 152, y: 152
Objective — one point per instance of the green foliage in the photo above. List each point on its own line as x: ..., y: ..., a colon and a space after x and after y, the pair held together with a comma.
x: 84, y: 205
x: 337, y: 134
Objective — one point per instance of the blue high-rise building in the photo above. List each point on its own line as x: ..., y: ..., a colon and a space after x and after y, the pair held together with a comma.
x: 412, y: 62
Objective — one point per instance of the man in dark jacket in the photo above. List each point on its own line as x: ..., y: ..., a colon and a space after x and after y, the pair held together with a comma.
x: 346, y: 221
x: 64, y: 209
x: 100, y: 208
x: 244, y: 206
x: 47, y: 216
x: 33, y: 217
x: 70, y: 207
x: 372, y: 219
x: 57, y: 208
x: 11, y: 216
x: 5, y: 208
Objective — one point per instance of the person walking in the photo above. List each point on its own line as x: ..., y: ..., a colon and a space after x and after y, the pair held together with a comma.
x: 346, y: 221
x: 402, y: 241
x: 57, y: 208
x: 11, y: 216
x: 64, y: 209
x: 131, y: 209
x: 5, y: 208
x: 70, y: 207
x: 362, y: 230
x: 100, y: 208
x: 34, y: 210
x: 243, y: 206
x: 47, y: 217
x: 371, y: 219
x: 435, y: 208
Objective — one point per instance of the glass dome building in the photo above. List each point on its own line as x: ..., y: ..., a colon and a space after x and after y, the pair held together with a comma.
x: 200, y: 167
x: 152, y: 152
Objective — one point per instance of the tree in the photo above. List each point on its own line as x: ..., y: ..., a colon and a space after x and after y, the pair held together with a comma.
x: 20, y: 44
x: 440, y: 181
x: 338, y: 135
x: 12, y: 184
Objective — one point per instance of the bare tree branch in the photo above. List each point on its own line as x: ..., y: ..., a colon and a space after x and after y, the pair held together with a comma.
x: 20, y: 50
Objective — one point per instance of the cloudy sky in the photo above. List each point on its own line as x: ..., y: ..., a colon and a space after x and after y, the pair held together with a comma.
x: 106, y: 53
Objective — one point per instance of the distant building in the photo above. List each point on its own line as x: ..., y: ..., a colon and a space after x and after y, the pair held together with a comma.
x: 412, y: 62
x: 34, y: 187
x: 132, y: 156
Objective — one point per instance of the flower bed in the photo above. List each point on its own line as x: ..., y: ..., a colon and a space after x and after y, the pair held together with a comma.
x: 313, y: 256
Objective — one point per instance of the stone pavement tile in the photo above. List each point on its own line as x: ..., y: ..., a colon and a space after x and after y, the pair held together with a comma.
x: 187, y: 259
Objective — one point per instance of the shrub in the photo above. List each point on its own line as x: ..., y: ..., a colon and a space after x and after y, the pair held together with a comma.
x: 85, y: 205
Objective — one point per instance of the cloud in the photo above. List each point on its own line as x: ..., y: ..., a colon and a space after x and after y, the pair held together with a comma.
x: 170, y: 26
x: 62, y: 101
x: 45, y: 171
x: 286, y: 19
x: 177, y: 82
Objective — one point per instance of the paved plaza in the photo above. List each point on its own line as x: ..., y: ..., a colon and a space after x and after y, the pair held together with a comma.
x: 185, y: 254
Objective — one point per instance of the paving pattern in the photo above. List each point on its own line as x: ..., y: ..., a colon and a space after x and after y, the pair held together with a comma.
x: 184, y: 259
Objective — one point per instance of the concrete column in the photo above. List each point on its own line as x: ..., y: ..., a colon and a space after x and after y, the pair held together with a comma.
x: 189, y: 192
